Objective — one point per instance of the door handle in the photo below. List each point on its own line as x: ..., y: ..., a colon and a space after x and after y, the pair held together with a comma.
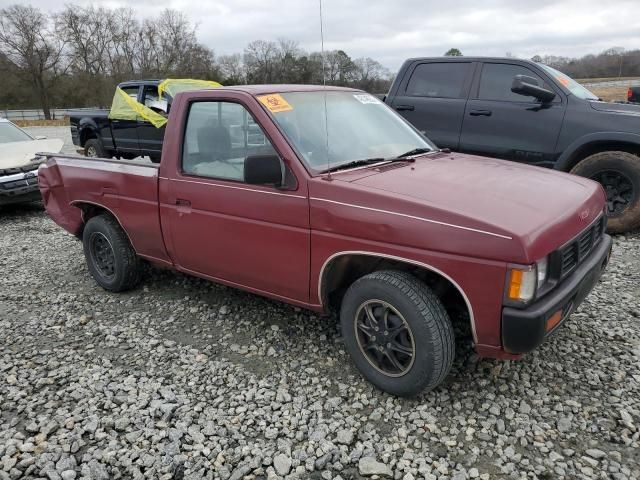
x: 480, y: 113
x: 409, y: 108
x: 182, y: 206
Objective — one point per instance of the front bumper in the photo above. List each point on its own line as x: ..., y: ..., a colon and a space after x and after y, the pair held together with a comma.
x: 525, y: 329
x: 19, y: 185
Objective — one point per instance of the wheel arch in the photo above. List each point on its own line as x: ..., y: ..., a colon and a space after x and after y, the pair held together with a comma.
x: 87, y: 133
x: 341, y: 269
x: 92, y: 209
x: 597, y: 143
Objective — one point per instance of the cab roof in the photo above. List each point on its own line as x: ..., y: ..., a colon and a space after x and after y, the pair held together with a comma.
x: 285, y: 88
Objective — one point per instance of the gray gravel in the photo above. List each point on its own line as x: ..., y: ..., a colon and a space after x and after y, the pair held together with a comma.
x: 185, y: 379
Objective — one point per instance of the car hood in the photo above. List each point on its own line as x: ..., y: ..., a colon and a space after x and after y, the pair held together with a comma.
x: 540, y: 207
x: 19, y: 154
x: 622, y: 108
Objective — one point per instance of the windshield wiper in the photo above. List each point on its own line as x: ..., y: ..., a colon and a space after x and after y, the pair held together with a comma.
x: 369, y: 161
x: 355, y: 163
x: 415, y: 151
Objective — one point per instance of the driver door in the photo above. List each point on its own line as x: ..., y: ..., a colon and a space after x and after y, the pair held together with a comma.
x: 251, y: 236
x: 500, y: 123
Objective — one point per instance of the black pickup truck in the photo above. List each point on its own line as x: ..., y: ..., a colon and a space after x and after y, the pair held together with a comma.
x: 633, y: 95
x: 99, y: 136
x: 526, y: 112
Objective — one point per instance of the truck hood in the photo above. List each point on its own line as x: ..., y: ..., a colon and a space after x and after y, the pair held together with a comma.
x: 19, y: 154
x: 542, y: 208
x: 621, y: 108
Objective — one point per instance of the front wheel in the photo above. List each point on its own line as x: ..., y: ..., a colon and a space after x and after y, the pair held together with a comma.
x: 111, y: 259
x: 619, y: 175
x: 397, y: 332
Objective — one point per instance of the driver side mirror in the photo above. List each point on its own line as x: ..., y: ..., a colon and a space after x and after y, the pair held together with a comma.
x: 528, y: 86
x: 263, y: 170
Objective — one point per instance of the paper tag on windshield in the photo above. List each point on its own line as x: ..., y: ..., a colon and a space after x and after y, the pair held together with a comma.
x: 275, y: 103
x: 365, y: 98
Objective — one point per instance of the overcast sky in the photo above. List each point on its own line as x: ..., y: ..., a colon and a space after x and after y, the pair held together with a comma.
x: 392, y: 30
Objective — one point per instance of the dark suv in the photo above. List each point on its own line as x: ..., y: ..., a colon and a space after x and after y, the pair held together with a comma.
x: 527, y: 112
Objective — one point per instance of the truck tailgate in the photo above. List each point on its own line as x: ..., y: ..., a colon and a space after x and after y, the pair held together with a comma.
x: 126, y: 189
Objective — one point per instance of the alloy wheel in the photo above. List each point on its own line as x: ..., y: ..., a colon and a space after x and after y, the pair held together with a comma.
x: 384, y: 338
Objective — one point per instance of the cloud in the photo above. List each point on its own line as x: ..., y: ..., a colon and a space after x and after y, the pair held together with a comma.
x: 392, y: 31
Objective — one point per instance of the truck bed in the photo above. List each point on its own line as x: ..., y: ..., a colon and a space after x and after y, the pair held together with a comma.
x: 74, y: 187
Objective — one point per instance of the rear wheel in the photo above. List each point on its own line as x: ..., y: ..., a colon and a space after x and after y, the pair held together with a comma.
x: 93, y: 148
x: 111, y: 259
x: 619, y: 175
x: 398, y: 332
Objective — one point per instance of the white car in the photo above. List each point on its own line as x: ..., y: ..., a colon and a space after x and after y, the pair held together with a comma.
x: 19, y: 163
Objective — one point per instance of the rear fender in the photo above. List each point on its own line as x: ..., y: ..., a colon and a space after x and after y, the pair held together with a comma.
x: 55, y: 199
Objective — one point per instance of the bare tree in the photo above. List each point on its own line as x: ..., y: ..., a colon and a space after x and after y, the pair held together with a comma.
x: 88, y: 34
x: 124, y: 28
x: 260, y: 58
x: 369, y: 73
x: 232, y: 69
x: 287, y: 55
x: 339, y: 68
x: 27, y: 40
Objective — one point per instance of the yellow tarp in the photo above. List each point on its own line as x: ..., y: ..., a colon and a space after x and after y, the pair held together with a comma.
x: 173, y: 86
x: 125, y: 107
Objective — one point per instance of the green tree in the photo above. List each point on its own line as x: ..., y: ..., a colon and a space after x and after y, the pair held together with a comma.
x: 453, y: 52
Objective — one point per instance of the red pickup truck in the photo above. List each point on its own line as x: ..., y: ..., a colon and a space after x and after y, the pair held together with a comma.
x: 325, y: 198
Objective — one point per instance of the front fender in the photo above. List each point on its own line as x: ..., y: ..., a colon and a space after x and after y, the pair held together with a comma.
x: 566, y: 160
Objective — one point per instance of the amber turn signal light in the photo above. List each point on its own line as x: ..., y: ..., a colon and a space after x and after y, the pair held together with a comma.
x: 522, y: 284
x: 554, y: 320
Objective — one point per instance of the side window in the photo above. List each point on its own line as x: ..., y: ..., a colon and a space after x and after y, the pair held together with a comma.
x: 219, y: 136
x: 496, y: 80
x: 439, y: 80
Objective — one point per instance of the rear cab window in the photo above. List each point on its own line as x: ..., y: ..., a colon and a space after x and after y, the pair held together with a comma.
x: 439, y: 80
x: 219, y: 136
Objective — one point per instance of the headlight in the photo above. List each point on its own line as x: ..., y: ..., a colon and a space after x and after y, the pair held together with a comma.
x: 523, y: 282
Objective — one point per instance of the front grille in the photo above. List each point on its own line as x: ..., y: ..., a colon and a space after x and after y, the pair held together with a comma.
x: 18, y: 184
x: 572, y: 254
x: 26, y: 168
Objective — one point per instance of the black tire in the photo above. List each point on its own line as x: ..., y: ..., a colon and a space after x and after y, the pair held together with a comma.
x: 430, y: 332
x: 111, y: 259
x: 93, y: 148
x: 619, y: 174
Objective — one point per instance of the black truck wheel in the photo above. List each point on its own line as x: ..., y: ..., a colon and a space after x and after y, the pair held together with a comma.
x: 397, y: 332
x: 111, y: 259
x: 619, y: 174
x: 93, y: 148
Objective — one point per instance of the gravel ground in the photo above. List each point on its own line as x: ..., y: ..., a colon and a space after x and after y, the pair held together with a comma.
x: 185, y: 379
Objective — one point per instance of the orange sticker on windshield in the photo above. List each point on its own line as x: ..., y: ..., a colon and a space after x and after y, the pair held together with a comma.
x: 563, y: 80
x: 275, y: 103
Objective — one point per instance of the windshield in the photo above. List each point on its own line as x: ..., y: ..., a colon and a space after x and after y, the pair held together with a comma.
x: 10, y: 133
x: 359, y: 127
x: 574, y: 87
